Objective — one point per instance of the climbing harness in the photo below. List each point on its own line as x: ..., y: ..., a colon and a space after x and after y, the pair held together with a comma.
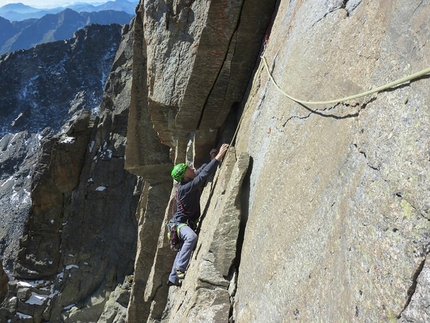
x: 173, y: 229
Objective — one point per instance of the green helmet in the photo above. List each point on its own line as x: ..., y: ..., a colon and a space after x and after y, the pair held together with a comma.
x: 178, y: 172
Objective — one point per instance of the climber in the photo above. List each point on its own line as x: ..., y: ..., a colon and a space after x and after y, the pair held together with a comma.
x: 188, y: 209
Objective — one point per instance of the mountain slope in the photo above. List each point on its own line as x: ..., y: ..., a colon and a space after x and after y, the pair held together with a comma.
x: 79, y: 237
x: 41, y: 89
x: 30, y: 101
x: 52, y: 27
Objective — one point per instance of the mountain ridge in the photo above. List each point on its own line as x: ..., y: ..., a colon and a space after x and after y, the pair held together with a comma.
x: 52, y: 27
x: 20, y: 11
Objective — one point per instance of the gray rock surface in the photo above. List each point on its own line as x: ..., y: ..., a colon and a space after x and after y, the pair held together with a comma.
x: 318, y: 213
x: 79, y: 240
x: 201, y: 55
x: 115, y: 309
x: 335, y: 205
x: 41, y: 89
x: 338, y: 215
x: 4, y: 279
x: 418, y: 308
x: 142, y: 138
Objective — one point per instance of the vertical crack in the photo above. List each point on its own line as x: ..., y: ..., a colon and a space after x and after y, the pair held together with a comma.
x: 244, y: 212
x: 412, y: 288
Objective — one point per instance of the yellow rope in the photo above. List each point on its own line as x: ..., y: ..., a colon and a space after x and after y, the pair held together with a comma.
x: 356, y: 96
x: 351, y: 97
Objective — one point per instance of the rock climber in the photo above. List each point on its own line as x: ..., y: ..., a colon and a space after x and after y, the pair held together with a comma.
x: 188, y: 209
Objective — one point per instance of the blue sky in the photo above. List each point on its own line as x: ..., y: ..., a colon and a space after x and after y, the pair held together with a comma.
x: 49, y: 3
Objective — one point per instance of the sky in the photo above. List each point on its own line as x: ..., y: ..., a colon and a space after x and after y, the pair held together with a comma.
x: 49, y: 3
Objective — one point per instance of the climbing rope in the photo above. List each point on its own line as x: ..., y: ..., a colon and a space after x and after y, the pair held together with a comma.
x: 347, y: 98
x: 356, y: 96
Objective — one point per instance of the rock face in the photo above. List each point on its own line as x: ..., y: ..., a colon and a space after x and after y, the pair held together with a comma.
x: 338, y: 223
x: 3, y: 283
x: 79, y: 240
x: 200, y: 57
x: 334, y: 212
x: 42, y: 88
x: 318, y: 212
x: 192, y: 64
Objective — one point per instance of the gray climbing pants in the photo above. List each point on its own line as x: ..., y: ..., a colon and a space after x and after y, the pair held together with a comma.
x: 189, y: 238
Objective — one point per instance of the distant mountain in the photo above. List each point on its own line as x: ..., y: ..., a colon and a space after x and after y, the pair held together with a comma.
x: 119, y: 5
x: 52, y: 27
x: 20, y: 12
x: 18, y: 8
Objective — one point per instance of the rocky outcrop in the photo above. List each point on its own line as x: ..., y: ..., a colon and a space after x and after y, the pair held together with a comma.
x: 334, y: 214
x: 30, y: 100
x: 79, y: 241
x: 42, y: 88
x: 200, y: 57
x: 318, y: 212
x: 59, y: 167
x: 192, y: 63
x: 142, y: 138
x: 3, y: 283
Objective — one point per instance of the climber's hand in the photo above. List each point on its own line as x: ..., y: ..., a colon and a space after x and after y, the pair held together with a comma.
x: 221, y: 152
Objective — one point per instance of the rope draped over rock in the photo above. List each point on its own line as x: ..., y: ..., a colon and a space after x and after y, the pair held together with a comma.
x: 387, y: 86
x: 351, y: 97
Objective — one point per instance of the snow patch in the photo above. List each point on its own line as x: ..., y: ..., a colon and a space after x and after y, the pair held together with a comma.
x: 68, y: 140
x: 8, y: 180
x: 36, y: 299
x: 23, y: 316
x: 24, y: 284
x: 100, y: 188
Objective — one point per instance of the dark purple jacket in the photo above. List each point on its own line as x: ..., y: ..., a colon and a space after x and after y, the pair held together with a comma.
x: 188, y: 194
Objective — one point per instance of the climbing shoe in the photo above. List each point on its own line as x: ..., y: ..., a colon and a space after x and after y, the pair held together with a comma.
x: 169, y: 283
x: 181, y: 275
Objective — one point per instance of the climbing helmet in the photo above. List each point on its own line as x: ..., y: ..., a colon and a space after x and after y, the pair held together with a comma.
x: 178, y: 172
